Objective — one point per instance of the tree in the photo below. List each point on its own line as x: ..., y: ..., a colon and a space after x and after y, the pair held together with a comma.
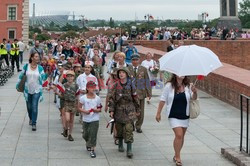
x: 111, y: 23
x: 52, y: 24
x: 244, y: 13
x: 42, y: 37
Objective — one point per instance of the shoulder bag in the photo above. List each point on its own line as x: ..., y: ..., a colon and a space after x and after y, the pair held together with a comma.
x: 194, y: 108
x: 21, y: 84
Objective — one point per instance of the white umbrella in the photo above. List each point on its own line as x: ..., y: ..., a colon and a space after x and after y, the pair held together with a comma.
x: 190, y: 60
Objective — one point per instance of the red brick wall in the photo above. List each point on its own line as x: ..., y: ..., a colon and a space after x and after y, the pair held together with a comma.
x: 4, y: 24
x: 236, y: 52
x: 224, y: 88
x: 156, y: 44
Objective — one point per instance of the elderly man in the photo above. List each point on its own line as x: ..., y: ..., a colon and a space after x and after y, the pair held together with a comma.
x: 142, y: 84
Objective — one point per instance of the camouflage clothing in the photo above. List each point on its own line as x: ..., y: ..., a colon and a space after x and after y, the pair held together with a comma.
x: 69, y: 97
x: 99, y: 75
x: 98, y: 71
x: 123, y: 102
x: 125, y: 131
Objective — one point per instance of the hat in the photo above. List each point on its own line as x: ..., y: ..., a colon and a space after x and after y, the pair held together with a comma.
x: 125, y: 69
x: 67, y: 66
x: 62, y: 55
x: 89, y: 63
x: 135, y: 56
x: 56, y: 57
x: 70, y: 73
x: 91, y: 84
x: 77, y: 65
x: 68, y: 58
x: 60, y: 64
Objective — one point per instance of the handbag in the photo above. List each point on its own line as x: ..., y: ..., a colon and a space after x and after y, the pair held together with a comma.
x: 21, y: 84
x: 194, y: 109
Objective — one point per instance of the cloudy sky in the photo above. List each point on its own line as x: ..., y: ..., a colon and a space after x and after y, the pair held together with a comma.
x: 129, y: 9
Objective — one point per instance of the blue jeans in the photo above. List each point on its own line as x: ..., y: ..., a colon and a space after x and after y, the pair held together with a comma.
x: 32, y: 106
x: 21, y: 57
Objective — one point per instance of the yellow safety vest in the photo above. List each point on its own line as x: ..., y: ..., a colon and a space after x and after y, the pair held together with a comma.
x: 14, y: 52
x: 3, y: 51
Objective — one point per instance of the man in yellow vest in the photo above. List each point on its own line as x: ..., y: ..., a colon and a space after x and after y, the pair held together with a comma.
x: 14, y: 53
x: 4, y: 52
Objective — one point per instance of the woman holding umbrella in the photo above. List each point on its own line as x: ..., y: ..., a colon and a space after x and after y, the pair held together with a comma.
x: 177, y: 94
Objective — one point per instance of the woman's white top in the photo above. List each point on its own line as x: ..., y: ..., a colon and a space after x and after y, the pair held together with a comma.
x: 33, y: 80
x: 168, y: 97
x: 147, y: 64
x: 89, y: 104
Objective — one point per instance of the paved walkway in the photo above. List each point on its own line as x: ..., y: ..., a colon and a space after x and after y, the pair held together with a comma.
x: 217, y: 126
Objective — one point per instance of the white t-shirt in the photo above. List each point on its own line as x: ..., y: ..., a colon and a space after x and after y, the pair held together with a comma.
x: 33, y: 80
x: 83, y: 79
x: 21, y: 46
x: 89, y: 104
x: 147, y: 65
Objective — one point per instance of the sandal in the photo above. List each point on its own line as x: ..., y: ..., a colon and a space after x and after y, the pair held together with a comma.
x: 178, y: 163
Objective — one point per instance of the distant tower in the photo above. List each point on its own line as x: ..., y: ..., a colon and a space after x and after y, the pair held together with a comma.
x: 74, y: 18
x: 229, y: 15
x: 34, y: 14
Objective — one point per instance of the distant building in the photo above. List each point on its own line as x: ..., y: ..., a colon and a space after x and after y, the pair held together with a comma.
x: 14, y: 20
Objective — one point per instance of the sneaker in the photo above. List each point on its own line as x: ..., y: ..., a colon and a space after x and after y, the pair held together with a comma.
x: 70, y: 138
x: 33, y: 127
x: 92, y: 154
x: 19, y: 70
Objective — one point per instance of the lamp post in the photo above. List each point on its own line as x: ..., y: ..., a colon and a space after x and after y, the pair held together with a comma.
x: 147, y: 17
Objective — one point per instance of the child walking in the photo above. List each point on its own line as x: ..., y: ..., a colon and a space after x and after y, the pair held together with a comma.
x: 90, y: 106
x: 70, y: 103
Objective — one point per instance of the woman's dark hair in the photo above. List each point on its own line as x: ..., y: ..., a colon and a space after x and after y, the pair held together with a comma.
x: 31, y: 56
x: 92, y: 70
x: 173, y: 81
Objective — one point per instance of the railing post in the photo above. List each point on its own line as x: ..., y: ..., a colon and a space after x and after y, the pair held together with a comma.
x: 241, y: 122
x: 247, y: 148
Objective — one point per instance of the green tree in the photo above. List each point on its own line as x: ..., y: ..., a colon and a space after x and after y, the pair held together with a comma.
x: 42, y: 37
x: 52, y: 24
x: 111, y: 23
x: 244, y: 13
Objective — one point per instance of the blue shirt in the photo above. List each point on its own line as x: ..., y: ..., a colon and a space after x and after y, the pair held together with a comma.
x: 129, y: 53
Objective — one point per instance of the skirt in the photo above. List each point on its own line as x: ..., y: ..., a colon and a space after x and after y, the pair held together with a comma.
x: 178, y: 123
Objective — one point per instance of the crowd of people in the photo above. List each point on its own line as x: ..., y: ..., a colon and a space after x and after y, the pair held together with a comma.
x: 194, y: 34
x: 78, y: 70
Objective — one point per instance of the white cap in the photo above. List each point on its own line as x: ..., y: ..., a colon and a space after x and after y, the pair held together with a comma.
x: 62, y: 55
x: 56, y: 57
x: 89, y: 63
